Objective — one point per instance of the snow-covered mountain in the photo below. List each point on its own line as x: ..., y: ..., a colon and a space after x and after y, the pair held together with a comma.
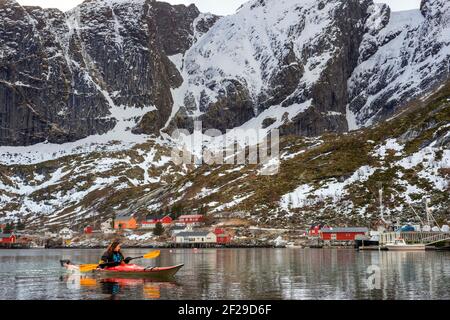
x: 402, y: 56
x: 312, y: 66
x: 66, y: 76
x: 85, y: 96
x: 304, y: 66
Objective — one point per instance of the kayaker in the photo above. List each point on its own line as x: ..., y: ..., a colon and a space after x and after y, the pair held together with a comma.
x: 113, y: 257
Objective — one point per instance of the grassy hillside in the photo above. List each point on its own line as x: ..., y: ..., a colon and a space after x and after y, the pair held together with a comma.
x: 333, y: 178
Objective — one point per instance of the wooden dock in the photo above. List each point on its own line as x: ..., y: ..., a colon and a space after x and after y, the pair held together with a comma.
x: 416, y: 237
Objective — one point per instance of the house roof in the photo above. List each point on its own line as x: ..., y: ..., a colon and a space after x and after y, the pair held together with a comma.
x: 156, y: 217
x: 190, y: 216
x: 124, y: 218
x: 194, y: 234
x: 6, y: 235
x: 340, y: 230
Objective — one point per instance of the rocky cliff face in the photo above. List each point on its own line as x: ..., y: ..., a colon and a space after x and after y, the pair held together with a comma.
x: 402, y: 56
x: 272, y: 56
x: 65, y: 76
x: 309, y: 67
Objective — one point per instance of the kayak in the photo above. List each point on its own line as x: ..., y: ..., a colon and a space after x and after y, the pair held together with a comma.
x: 135, y: 271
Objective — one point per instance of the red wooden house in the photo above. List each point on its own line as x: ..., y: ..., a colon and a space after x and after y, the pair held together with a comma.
x: 7, y: 238
x: 151, y: 221
x: 342, y: 234
x: 314, y: 231
x: 88, y: 230
x: 222, y: 236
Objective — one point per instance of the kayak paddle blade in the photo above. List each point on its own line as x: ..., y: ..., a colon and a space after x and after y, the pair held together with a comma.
x: 152, y: 255
x: 88, y: 267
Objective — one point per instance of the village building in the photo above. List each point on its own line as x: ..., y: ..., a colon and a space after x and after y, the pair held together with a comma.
x: 196, y: 237
x: 88, y: 230
x: 314, y: 231
x: 342, y: 234
x: 190, y: 220
x: 125, y: 222
x: 106, y: 227
x: 151, y: 221
x: 7, y: 238
x: 178, y: 229
x: 66, y: 234
x: 222, y: 236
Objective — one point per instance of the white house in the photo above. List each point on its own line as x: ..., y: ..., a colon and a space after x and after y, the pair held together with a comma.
x: 66, y: 233
x: 196, y: 237
x: 106, y: 227
x: 179, y: 229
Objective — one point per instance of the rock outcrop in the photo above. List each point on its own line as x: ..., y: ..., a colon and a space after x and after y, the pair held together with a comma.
x: 63, y: 76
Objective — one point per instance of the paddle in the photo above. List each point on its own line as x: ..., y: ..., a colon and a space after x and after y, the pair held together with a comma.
x: 92, y: 267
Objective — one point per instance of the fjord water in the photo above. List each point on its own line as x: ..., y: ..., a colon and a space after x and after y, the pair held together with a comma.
x: 235, y: 274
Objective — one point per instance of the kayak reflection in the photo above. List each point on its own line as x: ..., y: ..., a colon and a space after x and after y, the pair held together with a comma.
x: 151, y: 289
x: 113, y: 287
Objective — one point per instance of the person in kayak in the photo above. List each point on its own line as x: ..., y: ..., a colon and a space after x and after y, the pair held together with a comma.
x: 113, y: 257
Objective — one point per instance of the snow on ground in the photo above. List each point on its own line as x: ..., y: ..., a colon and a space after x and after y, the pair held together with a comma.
x: 144, y: 237
x: 427, y: 157
x: 390, y: 144
x: 236, y: 200
x: 306, y: 194
x: 117, y: 139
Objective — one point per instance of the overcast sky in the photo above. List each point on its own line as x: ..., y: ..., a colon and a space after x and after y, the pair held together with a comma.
x: 221, y: 7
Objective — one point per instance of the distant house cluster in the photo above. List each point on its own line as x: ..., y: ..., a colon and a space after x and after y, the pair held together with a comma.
x: 129, y: 222
x: 186, y: 229
x: 182, y: 229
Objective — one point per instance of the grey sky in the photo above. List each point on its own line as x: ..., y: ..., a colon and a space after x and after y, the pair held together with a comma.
x: 222, y: 7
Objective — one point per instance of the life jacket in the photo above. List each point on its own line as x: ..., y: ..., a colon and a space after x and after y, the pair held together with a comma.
x: 113, y: 257
x: 117, y: 257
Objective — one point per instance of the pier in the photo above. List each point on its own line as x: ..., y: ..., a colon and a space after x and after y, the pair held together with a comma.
x: 415, y: 237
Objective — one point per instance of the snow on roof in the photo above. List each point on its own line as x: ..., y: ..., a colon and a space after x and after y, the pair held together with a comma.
x: 341, y: 230
x: 194, y: 234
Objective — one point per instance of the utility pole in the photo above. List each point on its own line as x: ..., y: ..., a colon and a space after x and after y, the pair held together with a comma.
x: 381, y: 204
x: 427, y: 209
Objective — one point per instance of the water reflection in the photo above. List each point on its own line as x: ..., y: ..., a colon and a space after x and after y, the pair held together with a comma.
x: 115, y: 287
x: 235, y: 274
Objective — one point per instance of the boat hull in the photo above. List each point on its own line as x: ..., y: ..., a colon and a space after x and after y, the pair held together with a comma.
x: 406, y: 248
x: 136, y: 272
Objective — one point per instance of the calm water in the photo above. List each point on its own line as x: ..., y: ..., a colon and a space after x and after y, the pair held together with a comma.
x: 235, y: 274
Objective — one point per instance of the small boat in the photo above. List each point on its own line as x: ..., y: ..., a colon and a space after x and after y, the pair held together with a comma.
x: 293, y: 245
x: 135, y: 271
x: 363, y: 241
x: 400, y: 245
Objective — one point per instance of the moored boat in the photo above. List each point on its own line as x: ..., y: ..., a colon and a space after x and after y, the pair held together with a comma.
x: 401, y: 245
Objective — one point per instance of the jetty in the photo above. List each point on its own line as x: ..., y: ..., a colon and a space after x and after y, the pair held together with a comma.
x: 416, y: 237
